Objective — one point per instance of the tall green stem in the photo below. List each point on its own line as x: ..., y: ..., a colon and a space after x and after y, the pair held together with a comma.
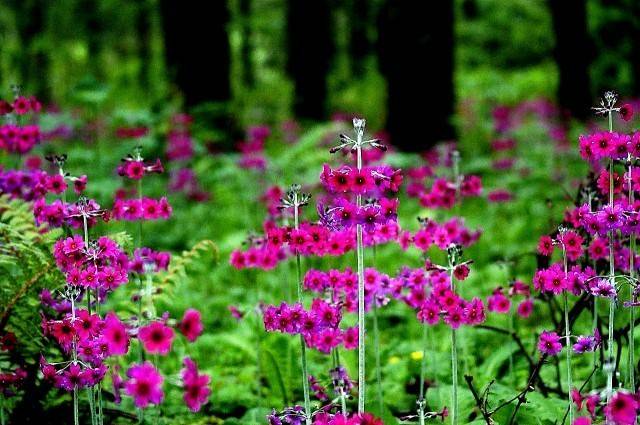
x: 610, y: 361
x: 632, y: 274
x: 360, y: 255
x: 303, y: 347
x: 376, y: 346
x: 376, y: 349
x: 567, y: 333
x: 454, y: 358
x: 423, y: 371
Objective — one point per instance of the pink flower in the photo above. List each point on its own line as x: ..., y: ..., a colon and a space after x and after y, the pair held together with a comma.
x: 144, y: 384
x: 191, y: 324
x: 56, y: 184
x: 549, y: 343
x: 134, y: 169
x: 21, y: 105
x: 545, y: 245
x: 584, y: 420
x: 626, y: 112
x: 195, y: 385
x: 156, y: 338
x: 115, y: 335
x: 622, y: 409
x: 350, y: 338
x: 525, y: 308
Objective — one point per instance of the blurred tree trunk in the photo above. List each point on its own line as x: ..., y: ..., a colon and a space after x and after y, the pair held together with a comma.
x: 143, y: 24
x: 359, y: 43
x: 197, y: 49
x: 635, y: 47
x: 310, y: 48
x: 572, y: 55
x: 245, y: 51
x: 30, y: 24
x: 415, y: 50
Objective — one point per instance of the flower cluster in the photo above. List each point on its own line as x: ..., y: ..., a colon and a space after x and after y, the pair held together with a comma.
x: 609, y: 145
x: 309, y: 239
x: 136, y: 169
x: 141, y: 209
x: 179, y: 142
x: 19, y: 139
x: 319, y: 326
x: 371, y: 181
x: 442, y: 235
x: 252, y: 150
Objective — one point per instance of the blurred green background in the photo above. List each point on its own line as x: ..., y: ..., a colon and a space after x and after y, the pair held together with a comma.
x: 134, y: 53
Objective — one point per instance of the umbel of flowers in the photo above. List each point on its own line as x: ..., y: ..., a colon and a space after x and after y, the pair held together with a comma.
x: 345, y: 219
x: 597, y: 243
x: 17, y: 135
x: 89, y: 340
x: 141, y: 208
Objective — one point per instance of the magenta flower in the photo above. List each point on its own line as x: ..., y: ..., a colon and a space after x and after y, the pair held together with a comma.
x: 144, y: 385
x: 195, y: 385
x: 115, y: 335
x: 626, y: 112
x: 525, y: 308
x: 156, y: 338
x: 622, y: 409
x: 549, y: 343
x: 191, y: 324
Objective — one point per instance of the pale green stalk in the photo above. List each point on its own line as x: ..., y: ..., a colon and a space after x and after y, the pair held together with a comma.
x: 376, y: 347
x: 303, y: 348
x: 567, y: 333
x: 423, y: 371
x: 632, y: 273
x: 610, y: 359
x: 454, y: 358
x: 360, y: 255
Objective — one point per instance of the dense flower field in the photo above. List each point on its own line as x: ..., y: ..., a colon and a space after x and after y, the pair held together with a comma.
x: 316, y: 275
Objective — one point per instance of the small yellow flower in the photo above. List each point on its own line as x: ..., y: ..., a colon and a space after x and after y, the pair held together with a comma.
x: 394, y: 360
x: 416, y: 355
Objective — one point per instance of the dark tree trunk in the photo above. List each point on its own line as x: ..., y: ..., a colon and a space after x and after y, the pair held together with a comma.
x: 572, y: 55
x: 197, y: 49
x: 245, y: 51
x: 30, y: 16
x: 359, y: 43
x: 310, y: 48
x: 143, y: 25
x: 635, y: 47
x: 415, y: 50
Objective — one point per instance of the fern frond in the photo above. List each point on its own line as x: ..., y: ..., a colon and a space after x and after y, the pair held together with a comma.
x: 179, y: 264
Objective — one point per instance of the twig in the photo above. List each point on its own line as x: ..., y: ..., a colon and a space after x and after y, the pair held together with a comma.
x: 479, y: 403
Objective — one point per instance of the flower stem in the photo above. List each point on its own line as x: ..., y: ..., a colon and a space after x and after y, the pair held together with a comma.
x: 360, y: 256
x: 376, y: 347
x: 303, y: 347
x: 611, y: 366
x: 632, y: 274
x: 376, y: 350
x: 423, y: 371
x: 454, y: 359
x: 567, y: 332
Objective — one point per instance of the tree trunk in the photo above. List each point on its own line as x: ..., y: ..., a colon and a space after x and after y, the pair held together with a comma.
x: 310, y: 48
x: 197, y: 49
x: 415, y: 50
x: 359, y: 43
x: 245, y: 50
x: 635, y: 47
x: 572, y: 56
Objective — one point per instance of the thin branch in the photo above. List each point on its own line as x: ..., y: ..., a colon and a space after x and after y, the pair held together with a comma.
x: 478, y: 400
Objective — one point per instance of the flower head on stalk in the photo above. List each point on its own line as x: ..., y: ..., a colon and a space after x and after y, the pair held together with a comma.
x: 607, y: 104
x: 294, y: 198
x: 359, y: 125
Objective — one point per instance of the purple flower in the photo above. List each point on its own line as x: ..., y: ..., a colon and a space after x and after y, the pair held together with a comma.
x: 549, y: 343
